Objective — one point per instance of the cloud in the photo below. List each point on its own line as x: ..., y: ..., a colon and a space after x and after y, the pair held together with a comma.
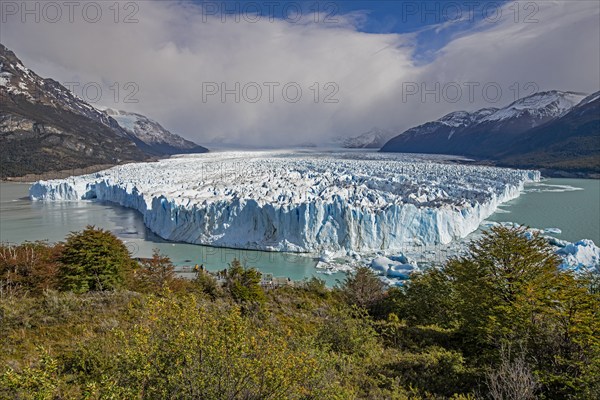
x: 177, y: 54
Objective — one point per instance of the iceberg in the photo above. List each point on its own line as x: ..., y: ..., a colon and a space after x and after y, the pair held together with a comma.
x: 393, y: 268
x: 581, y: 256
x: 301, y: 201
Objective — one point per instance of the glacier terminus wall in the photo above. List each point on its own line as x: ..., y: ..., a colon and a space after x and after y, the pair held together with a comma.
x: 301, y: 201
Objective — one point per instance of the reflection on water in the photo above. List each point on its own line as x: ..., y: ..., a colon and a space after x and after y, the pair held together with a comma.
x: 22, y: 219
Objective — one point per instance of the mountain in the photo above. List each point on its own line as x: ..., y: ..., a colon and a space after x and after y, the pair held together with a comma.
x: 487, y: 131
x: 570, y: 143
x: 44, y: 127
x: 544, y: 120
x: 151, y: 136
x: 373, y: 139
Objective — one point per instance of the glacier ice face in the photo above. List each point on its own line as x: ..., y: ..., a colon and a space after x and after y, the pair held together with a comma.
x: 301, y: 201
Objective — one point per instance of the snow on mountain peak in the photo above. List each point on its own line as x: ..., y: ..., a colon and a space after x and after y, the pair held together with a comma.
x: 457, y: 118
x: 147, y: 130
x: 592, y: 97
x: 374, y: 138
x: 151, y: 133
x: 541, y: 105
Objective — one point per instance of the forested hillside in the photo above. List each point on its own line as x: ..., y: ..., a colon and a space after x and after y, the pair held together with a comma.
x: 83, y: 320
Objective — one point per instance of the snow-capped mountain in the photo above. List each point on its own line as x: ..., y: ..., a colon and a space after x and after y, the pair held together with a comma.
x: 538, y: 107
x: 152, y: 134
x: 550, y: 130
x: 45, y: 127
x: 17, y: 80
x: 489, y: 132
x: 569, y: 143
x: 373, y: 139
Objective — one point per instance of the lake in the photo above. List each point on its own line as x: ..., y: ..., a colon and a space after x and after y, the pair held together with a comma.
x: 572, y: 205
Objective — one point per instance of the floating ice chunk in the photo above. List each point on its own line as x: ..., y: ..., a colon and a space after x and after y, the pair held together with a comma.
x: 544, y: 187
x: 557, y: 242
x: 581, y: 256
x: 333, y: 268
x: 401, y: 271
x: 380, y: 264
x: 555, y: 231
x: 392, y: 268
x: 391, y: 281
x: 489, y: 224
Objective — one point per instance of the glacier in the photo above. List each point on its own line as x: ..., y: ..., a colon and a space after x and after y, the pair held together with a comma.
x: 301, y: 201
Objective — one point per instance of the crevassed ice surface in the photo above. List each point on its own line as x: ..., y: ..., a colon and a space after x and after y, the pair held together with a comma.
x: 301, y: 201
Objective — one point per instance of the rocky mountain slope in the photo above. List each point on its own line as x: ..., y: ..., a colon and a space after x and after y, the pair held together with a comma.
x: 44, y: 127
x: 568, y: 143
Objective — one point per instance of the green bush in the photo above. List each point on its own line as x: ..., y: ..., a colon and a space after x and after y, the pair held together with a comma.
x: 435, y: 370
x: 94, y: 259
x: 244, y: 283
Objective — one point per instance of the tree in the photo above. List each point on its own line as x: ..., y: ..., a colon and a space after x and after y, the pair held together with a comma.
x: 244, y: 283
x: 205, y: 283
x: 94, y: 259
x: 509, y: 292
x: 504, y: 281
x: 512, y: 379
x: 155, y: 273
x: 362, y: 288
x: 427, y: 298
x: 28, y: 267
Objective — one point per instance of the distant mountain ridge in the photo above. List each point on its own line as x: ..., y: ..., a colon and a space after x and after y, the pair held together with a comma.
x: 44, y: 127
x: 153, y: 136
x: 528, y: 132
x: 372, y: 139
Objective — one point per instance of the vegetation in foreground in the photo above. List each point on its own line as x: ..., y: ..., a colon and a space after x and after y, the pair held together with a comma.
x: 82, y: 320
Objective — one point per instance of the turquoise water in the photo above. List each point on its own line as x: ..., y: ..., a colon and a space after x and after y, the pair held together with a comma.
x: 22, y: 220
x: 572, y: 205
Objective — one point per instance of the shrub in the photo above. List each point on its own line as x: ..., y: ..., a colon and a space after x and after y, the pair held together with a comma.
x: 362, y: 288
x: 244, y: 283
x: 94, y: 259
x: 434, y: 369
x: 157, y: 274
x: 28, y: 267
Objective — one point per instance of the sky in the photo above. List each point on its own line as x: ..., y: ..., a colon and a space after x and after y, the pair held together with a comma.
x: 284, y: 73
